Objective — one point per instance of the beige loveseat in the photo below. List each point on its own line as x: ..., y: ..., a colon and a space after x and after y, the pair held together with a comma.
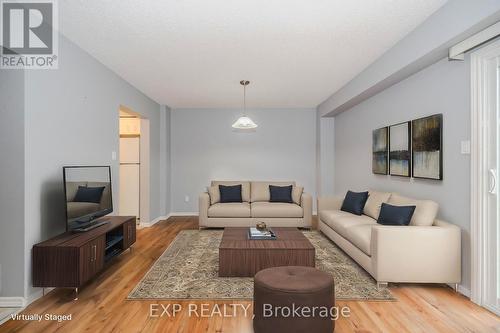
x: 255, y: 207
x: 426, y: 251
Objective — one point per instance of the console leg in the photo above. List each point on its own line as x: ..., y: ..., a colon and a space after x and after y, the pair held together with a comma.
x: 455, y: 287
x: 76, y: 294
x: 43, y: 292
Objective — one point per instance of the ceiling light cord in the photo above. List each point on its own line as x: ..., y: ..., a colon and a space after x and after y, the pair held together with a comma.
x: 244, y: 83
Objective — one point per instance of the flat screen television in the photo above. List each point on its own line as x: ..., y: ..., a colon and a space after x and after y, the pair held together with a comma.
x: 88, y: 194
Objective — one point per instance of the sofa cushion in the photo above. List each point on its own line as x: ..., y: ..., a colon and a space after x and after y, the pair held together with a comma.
x: 297, y: 194
x: 245, y: 187
x: 280, y: 193
x: 395, y: 215
x: 89, y: 194
x: 425, y: 211
x: 354, y: 202
x: 214, y: 194
x: 232, y: 209
x: 374, y: 202
x: 276, y: 209
x: 231, y: 193
x: 340, y: 221
x: 71, y: 188
x: 106, y: 194
x: 79, y: 209
x: 325, y: 215
x: 260, y: 190
x: 360, y: 236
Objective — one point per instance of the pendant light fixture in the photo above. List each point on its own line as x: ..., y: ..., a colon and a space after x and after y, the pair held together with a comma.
x: 244, y: 122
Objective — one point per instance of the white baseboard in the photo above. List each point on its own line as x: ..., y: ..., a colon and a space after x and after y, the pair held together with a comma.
x: 162, y: 218
x: 5, y: 316
x: 461, y: 289
x: 20, y: 302
x: 184, y: 214
x: 37, y: 294
x: 12, y: 302
x: 464, y: 291
x: 156, y: 220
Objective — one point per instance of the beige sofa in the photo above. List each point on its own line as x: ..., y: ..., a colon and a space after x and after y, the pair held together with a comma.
x: 255, y: 207
x: 426, y: 251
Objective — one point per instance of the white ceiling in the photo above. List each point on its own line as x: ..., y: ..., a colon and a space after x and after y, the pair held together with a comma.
x: 193, y: 53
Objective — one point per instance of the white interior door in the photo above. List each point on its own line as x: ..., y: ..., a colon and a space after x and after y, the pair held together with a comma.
x: 130, y: 150
x: 493, y: 232
x: 130, y: 176
x: 129, y: 190
x: 491, y: 290
x: 485, y: 183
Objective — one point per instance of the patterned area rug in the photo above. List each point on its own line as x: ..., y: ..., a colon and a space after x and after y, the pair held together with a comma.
x: 188, y: 270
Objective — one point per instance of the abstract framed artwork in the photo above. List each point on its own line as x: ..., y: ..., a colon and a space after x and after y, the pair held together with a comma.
x: 380, y: 143
x: 427, y: 147
x: 399, y: 149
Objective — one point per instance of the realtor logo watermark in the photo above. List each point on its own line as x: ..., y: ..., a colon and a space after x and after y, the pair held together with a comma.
x: 28, y: 34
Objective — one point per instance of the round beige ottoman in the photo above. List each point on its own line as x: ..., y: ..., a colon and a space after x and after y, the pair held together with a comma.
x: 293, y: 299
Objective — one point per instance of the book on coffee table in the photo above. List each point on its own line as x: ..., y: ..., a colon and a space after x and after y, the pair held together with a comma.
x: 254, y: 233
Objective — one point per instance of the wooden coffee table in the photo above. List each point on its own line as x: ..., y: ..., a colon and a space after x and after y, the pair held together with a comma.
x: 240, y: 256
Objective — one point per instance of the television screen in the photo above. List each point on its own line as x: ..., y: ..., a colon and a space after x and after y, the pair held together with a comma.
x: 88, y: 194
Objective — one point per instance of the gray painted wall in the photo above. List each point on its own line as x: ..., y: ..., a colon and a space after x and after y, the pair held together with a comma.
x: 204, y: 148
x: 326, y: 157
x: 72, y: 119
x: 429, y: 42
x: 441, y: 88
x: 12, y: 180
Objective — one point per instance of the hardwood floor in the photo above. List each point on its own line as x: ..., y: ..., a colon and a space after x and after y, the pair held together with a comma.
x: 102, y: 304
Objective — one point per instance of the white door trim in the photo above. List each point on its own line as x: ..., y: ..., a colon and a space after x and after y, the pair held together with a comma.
x: 12, y: 302
x: 480, y: 109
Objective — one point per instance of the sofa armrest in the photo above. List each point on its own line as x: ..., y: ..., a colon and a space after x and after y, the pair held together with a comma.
x: 330, y: 203
x: 203, y: 205
x: 306, y: 204
x: 417, y: 253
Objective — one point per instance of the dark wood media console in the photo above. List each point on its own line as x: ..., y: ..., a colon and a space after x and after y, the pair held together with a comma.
x: 71, y: 259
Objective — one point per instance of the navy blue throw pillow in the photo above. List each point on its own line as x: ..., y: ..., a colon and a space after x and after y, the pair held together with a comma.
x: 89, y: 194
x: 281, y: 193
x: 395, y: 215
x: 230, y: 193
x: 354, y: 202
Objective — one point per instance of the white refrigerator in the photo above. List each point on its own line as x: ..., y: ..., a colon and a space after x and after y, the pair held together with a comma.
x: 129, y: 176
